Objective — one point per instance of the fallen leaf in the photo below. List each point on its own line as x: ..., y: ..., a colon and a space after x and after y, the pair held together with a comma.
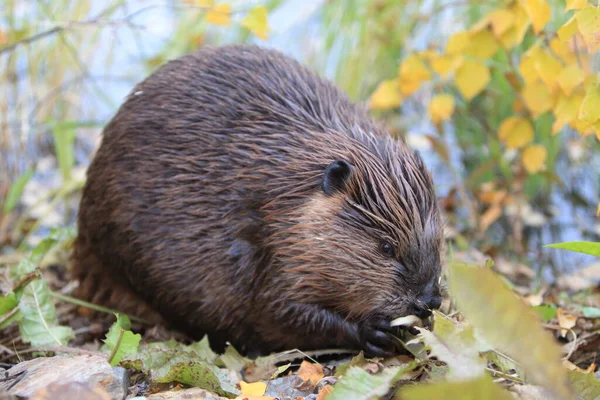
x: 534, y: 158
x: 515, y: 132
x: 545, y: 311
x: 471, y: 78
x: 588, y: 20
x: 325, y: 392
x: 219, y: 15
x: 257, y: 22
x: 472, y: 389
x: 309, y: 372
x: 256, y: 388
x: 358, y: 384
x: 502, y: 317
x: 585, y: 385
x: 387, y: 95
x: 539, y: 12
x: 565, y: 321
x: 441, y: 108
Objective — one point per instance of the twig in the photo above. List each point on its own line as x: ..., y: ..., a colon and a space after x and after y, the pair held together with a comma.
x: 92, y: 306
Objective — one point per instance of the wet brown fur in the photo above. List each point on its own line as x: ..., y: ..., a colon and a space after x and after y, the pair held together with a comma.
x: 205, y: 203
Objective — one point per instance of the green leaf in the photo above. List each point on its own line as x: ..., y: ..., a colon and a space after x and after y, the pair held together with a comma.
x: 357, y: 361
x: 64, y: 138
x: 7, y: 303
x: 15, y: 192
x: 39, y: 325
x: 474, y: 389
x: 456, y: 347
x: 545, y: 311
x: 585, y: 385
x: 120, y: 340
x: 591, y: 312
x: 591, y: 248
x: 358, y: 384
x: 232, y: 360
x: 203, y: 350
x: 174, y: 362
x: 506, y: 323
x: 280, y: 370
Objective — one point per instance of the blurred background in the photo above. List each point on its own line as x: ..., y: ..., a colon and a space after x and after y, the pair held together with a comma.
x: 66, y: 66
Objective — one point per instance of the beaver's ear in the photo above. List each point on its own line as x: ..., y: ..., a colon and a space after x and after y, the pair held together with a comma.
x: 336, y: 176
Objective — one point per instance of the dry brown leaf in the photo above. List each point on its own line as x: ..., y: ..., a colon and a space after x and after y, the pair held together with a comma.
x: 489, y: 217
x: 325, y: 392
x: 565, y: 321
x: 309, y: 372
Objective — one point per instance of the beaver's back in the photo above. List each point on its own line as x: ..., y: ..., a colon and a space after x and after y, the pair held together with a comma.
x: 174, y: 206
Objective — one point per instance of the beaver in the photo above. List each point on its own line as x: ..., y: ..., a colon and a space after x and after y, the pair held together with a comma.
x: 238, y: 194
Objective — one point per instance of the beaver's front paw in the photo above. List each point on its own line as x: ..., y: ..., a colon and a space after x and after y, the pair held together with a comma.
x: 376, y: 342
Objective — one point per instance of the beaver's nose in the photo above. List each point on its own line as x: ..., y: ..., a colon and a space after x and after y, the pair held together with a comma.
x: 430, y: 299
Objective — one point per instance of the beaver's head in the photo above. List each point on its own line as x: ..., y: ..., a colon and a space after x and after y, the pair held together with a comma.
x: 368, y: 242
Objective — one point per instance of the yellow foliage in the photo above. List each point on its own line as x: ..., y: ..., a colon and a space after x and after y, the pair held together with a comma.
x: 441, y: 108
x: 256, y: 388
x: 481, y: 44
x: 575, y: 4
x: 458, y: 43
x: 257, y: 22
x: 588, y: 20
x: 387, y: 95
x: 538, y: 11
x: 3, y: 38
x: 538, y: 98
x: 527, y: 68
x: 471, y: 78
x: 515, y: 34
x: 412, y: 73
x: 534, y: 158
x: 569, y: 29
x: 515, y: 132
x: 570, y: 77
x: 590, y: 108
x: 566, y: 111
x: 561, y: 49
x: 443, y: 65
x: 501, y: 21
x: 219, y: 15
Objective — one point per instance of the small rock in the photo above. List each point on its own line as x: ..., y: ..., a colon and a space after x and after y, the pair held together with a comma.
x: 90, y: 369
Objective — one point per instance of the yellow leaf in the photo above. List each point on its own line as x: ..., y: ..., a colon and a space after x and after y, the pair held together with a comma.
x: 3, y: 38
x: 590, y: 108
x: 598, y: 211
x: 561, y: 49
x: 569, y: 29
x: 537, y: 98
x: 203, y: 3
x: 412, y: 72
x: 583, y: 128
x: 569, y: 78
x: 515, y: 132
x: 387, y: 95
x: 256, y: 388
x: 441, y: 108
x: 515, y: 34
x: 548, y: 68
x: 575, y: 4
x: 566, y: 111
x: 528, y: 62
x: 219, y: 15
x: 482, y: 44
x: 257, y: 22
x: 534, y: 158
x: 501, y: 21
x: 458, y: 43
x: 538, y: 11
x: 588, y: 21
x: 443, y: 64
x: 471, y: 78
x: 309, y: 372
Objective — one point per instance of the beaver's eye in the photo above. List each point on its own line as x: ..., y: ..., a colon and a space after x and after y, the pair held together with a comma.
x: 386, y: 249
